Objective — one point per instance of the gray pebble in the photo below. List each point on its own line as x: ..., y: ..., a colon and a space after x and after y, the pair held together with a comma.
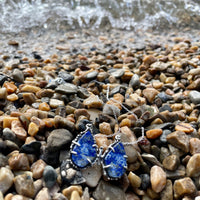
x: 194, y: 97
x: 67, y: 88
x: 49, y: 176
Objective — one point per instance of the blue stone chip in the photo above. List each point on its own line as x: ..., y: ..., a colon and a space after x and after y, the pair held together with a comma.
x: 117, y: 161
x: 85, y: 151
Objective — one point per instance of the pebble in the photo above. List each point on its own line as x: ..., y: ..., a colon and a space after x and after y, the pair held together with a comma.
x: 185, y: 127
x: 135, y: 81
x: 3, y: 93
x: 67, y: 89
x: 105, y: 128
x: 29, y: 98
x: 184, y: 186
x: 18, y: 161
x: 92, y: 175
x: 33, y: 147
x: 105, y: 190
x: 93, y: 101
x: 6, y: 179
x: 18, y: 76
x: 44, y: 106
x: 145, y: 181
x: 24, y: 185
x: 135, y: 180
x: 61, y: 122
x: 194, y: 96
x: 180, y: 140
x: 117, y: 73
x: 49, y: 176
x: 12, y: 97
x: 37, y: 168
x: 150, y: 94
x: 167, y: 192
x: 8, y: 134
x: 171, y: 162
x: 58, y: 138
x: 54, y: 103
x: 148, y: 60
x: 33, y: 129
x: 10, y: 87
x: 68, y: 191
x: 109, y: 109
x: 66, y: 76
x: 18, y: 129
x: 75, y: 196
x: 163, y: 137
x: 43, y: 194
x: 3, y: 160
x: 193, y: 166
x: 153, y: 133
x: 30, y: 88
x: 194, y: 146
x: 158, y: 178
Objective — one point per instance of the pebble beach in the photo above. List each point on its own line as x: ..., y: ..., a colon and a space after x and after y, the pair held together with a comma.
x: 53, y: 86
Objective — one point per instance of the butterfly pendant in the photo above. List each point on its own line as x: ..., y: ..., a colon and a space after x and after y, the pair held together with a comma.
x: 84, y: 153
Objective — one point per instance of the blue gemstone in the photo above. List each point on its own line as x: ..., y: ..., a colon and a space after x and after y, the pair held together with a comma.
x: 116, y: 161
x: 86, y: 151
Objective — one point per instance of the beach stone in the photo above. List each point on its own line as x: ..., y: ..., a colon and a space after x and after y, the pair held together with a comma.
x: 194, y: 97
x: 117, y: 73
x: 195, y: 85
x: 164, y: 97
x: 61, y: 122
x: 79, y: 112
x: 151, y: 158
x: 3, y: 78
x: 145, y: 181
x: 66, y: 76
x: 18, y: 161
x: 158, y: 178
x: 92, y: 175
x: 19, y: 197
x: 167, y: 192
x: 49, y: 176
x: 10, y: 87
x: 58, y: 138
x: 12, y: 97
x: 30, y: 88
x: 91, y: 75
x: 67, y: 89
x: 185, y: 127
x: 59, y: 196
x: 8, y: 134
x: 31, y: 148
x: 3, y: 160
x: 18, y: 129
x: 148, y: 60
x: 33, y: 129
x: 24, y: 185
x: 184, y: 186
x: 110, y: 109
x: 195, y: 71
x: 193, y: 166
x: 194, y: 145
x: 93, y: 101
x: 153, y: 133
x: 3, y: 93
x: 134, y: 180
x: 163, y: 137
x: 29, y: 98
x: 68, y: 191
x: 150, y: 94
x: 44, y: 106
x: 180, y: 140
x: 43, y: 194
x: 179, y: 173
x: 18, y: 76
x: 6, y: 179
x: 75, y: 196
x: 105, y: 128
x: 171, y: 162
x: 83, y: 92
x: 54, y: 103
x: 37, y: 168
x: 105, y: 190
x: 135, y: 81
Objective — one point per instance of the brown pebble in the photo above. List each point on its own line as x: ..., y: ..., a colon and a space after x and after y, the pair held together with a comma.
x: 12, y: 97
x: 37, y: 168
x: 194, y: 146
x: 10, y: 87
x: 69, y: 190
x: 134, y: 180
x: 19, y: 161
x: 44, y: 106
x: 148, y: 60
x: 7, y: 120
x: 18, y: 129
x: 29, y: 98
x: 105, y: 128
x: 193, y: 166
x: 79, y: 112
x: 125, y: 122
x: 150, y: 94
x: 185, y: 127
x: 153, y: 133
x: 184, y: 186
x: 102, y: 141
x: 93, y: 101
x: 33, y: 129
x: 171, y: 162
x: 30, y: 88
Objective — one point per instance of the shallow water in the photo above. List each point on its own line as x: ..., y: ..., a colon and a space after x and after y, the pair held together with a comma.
x: 63, y: 15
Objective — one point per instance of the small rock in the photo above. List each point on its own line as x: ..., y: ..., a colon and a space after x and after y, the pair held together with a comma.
x: 92, y: 175
x: 135, y: 81
x: 33, y: 129
x: 179, y: 173
x: 50, y: 176
x: 194, y: 146
x: 6, y: 179
x: 30, y: 88
x: 43, y: 194
x: 194, y: 85
x: 66, y: 76
x: 110, y: 109
x: 29, y: 98
x: 150, y: 94
x: 179, y: 139
x: 194, y: 97
x: 105, y: 190
x: 67, y: 89
x: 58, y: 138
x: 12, y: 97
x: 151, y: 158
x: 134, y: 180
x: 18, y: 76
x: 24, y: 185
x: 54, y: 103
x: 59, y: 196
x: 75, y: 196
x: 93, y: 101
x: 145, y: 181
x: 3, y: 93
x: 167, y: 193
x: 37, y: 168
x: 158, y: 178
x: 68, y: 191
x: 10, y: 87
x: 44, y: 106
x: 31, y: 148
x: 61, y: 122
x: 8, y: 135
x: 18, y: 129
x: 185, y: 127
x: 164, y: 97
x: 105, y: 128
x: 171, y: 162
x: 163, y: 137
x: 148, y: 60
x: 3, y: 160
x: 117, y: 73
x: 19, y: 161
x: 79, y: 112
x: 193, y: 166
x: 183, y: 187
x: 153, y: 133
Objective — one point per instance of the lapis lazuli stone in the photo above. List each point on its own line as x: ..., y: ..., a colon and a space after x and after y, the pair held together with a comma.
x: 85, y: 151
x: 117, y: 161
